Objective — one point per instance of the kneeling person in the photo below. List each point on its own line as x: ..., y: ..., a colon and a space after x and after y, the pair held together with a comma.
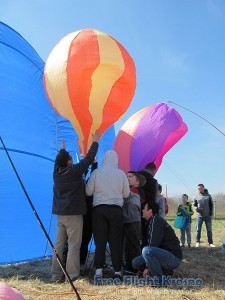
x: 163, y: 253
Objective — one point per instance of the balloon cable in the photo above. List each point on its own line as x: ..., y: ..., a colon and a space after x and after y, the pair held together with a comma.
x: 199, y: 117
x: 41, y: 224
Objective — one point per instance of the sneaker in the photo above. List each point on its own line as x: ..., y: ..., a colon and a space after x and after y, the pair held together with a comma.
x: 197, y: 245
x: 72, y: 278
x: 212, y: 245
x: 98, y: 272
x: 118, y: 275
x: 129, y: 271
x: 58, y: 279
x: 139, y: 274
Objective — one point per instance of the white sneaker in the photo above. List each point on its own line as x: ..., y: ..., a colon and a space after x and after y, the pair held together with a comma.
x: 212, y: 246
x: 98, y: 272
x: 197, y: 245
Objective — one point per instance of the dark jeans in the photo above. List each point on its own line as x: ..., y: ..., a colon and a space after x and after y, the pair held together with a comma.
x: 144, y: 229
x: 87, y: 231
x: 156, y: 260
x: 208, y: 224
x: 188, y: 233
x: 107, y: 223
x: 132, y: 242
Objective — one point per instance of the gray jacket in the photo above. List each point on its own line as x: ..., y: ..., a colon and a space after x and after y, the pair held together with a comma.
x: 132, y: 209
x: 160, y: 200
x: 203, y: 200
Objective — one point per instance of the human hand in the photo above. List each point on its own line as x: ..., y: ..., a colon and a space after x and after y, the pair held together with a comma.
x: 199, y: 209
x: 63, y: 144
x: 96, y: 136
x: 145, y: 273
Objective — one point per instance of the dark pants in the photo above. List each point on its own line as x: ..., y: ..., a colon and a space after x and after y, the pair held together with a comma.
x: 144, y: 229
x: 132, y: 242
x: 156, y: 260
x: 87, y: 231
x: 208, y: 224
x: 107, y: 223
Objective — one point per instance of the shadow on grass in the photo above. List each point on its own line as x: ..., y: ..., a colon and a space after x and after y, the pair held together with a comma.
x: 37, y: 269
x: 204, y: 263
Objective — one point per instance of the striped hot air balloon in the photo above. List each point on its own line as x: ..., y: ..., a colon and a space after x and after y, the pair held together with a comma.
x: 147, y: 136
x: 90, y: 79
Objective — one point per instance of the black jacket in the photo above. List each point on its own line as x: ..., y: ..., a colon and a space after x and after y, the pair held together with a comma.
x: 69, y: 186
x: 151, y: 186
x: 160, y: 234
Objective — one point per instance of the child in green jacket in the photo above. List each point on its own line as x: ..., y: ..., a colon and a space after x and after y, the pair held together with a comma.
x: 187, y: 206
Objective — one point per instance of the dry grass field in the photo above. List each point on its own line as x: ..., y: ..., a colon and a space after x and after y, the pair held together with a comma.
x: 33, y: 278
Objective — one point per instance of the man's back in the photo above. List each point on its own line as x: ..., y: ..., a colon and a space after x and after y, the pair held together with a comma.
x: 108, y: 184
x: 69, y: 187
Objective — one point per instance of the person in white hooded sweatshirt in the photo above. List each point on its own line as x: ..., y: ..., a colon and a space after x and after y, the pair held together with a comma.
x: 109, y: 186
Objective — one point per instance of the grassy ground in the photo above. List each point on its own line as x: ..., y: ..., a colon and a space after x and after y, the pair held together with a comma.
x: 33, y: 278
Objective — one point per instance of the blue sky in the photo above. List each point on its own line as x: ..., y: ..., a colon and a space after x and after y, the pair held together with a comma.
x: 179, y: 51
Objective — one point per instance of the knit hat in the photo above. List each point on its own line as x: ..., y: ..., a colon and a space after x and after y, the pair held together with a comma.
x: 62, y: 158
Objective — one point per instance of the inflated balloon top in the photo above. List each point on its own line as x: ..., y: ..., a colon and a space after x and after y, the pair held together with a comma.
x: 147, y: 136
x: 90, y: 79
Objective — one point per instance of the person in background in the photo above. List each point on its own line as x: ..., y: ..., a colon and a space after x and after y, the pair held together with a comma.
x: 136, y: 182
x: 87, y: 224
x: 132, y: 220
x: 69, y: 205
x: 161, y: 201
x: 163, y: 253
x: 187, y: 207
x: 151, y: 186
x: 150, y: 192
x: 109, y: 186
x: 204, y: 207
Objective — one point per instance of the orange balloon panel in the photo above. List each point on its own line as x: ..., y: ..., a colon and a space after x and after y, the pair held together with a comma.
x: 90, y: 79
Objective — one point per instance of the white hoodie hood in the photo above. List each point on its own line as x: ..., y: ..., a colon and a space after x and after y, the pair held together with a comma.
x: 110, y: 159
x: 108, y: 184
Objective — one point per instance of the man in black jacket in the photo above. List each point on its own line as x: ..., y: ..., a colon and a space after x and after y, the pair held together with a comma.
x: 163, y: 253
x: 69, y: 206
x: 151, y: 186
x: 150, y: 190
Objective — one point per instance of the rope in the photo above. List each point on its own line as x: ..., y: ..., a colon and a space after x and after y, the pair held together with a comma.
x: 199, y: 117
x: 71, y: 293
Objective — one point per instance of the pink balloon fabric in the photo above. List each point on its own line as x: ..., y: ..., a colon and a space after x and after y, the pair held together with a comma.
x: 147, y: 136
x: 8, y: 293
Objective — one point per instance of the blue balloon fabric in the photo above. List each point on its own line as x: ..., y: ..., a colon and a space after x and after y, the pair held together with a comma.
x: 32, y: 132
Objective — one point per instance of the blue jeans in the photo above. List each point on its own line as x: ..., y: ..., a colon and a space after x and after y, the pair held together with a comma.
x: 208, y: 224
x: 188, y: 233
x: 156, y: 260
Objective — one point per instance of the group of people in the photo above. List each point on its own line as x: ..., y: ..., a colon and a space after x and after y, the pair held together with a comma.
x: 203, y: 205
x: 124, y: 210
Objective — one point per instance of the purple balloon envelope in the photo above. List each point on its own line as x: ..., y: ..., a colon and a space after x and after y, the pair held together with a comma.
x: 147, y: 136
